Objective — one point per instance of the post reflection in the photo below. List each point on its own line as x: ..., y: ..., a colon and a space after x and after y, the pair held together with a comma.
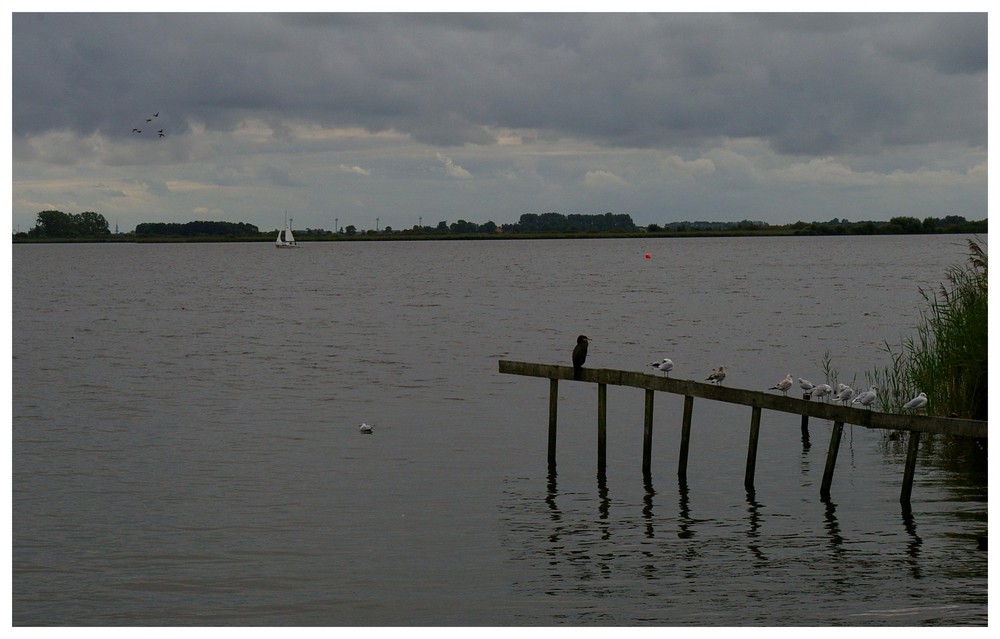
x: 603, y: 505
x: 647, y: 504
x: 833, y: 527
x: 551, y: 492
x: 753, y: 532
x: 914, y: 544
x: 684, y: 521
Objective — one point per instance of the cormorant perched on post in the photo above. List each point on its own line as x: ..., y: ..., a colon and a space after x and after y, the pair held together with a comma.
x: 580, y: 354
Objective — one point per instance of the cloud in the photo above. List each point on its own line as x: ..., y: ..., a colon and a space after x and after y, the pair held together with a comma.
x: 356, y: 170
x: 262, y: 108
x: 603, y: 179
x: 453, y: 169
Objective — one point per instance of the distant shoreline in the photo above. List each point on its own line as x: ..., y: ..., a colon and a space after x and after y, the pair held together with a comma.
x: 404, y: 236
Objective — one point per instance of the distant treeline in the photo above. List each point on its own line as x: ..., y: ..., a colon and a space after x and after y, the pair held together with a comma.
x: 196, y: 229
x: 59, y: 225
x: 574, y: 222
x: 56, y: 225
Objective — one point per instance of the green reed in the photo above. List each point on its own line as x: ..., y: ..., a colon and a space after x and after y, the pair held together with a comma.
x: 947, y: 358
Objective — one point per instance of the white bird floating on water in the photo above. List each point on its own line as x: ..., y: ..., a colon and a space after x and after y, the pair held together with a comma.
x: 665, y: 366
x: 866, y: 398
x: 917, y: 402
x: 717, y: 375
x: 365, y: 428
x: 783, y: 385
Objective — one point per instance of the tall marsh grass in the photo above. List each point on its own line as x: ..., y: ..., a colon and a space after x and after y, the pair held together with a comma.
x: 947, y: 359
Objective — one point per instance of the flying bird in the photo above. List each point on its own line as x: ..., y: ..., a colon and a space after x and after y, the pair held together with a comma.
x: 917, y: 402
x: 156, y: 115
x: 161, y: 133
x: 665, y: 366
x: 136, y: 131
x: 580, y: 353
x: 783, y: 385
x: 365, y: 428
x: 717, y: 375
x: 867, y: 398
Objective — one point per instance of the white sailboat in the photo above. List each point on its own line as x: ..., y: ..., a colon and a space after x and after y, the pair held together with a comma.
x: 289, y: 241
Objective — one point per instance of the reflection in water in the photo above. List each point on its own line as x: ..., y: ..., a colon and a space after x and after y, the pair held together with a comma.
x: 833, y: 527
x: 568, y: 545
x: 684, y: 518
x: 913, y: 546
x: 552, y: 490
x: 604, y: 505
x: 753, y: 532
x: 647, y: 505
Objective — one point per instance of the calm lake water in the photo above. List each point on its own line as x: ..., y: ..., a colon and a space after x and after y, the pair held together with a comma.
x: 186, y: 447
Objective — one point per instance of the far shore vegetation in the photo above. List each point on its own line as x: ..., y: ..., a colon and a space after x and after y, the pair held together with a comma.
x: 57, y: 226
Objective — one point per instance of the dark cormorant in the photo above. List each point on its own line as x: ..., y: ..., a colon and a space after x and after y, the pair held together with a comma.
x: 580, y: 354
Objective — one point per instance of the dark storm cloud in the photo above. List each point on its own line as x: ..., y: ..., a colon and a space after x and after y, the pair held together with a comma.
x: 807, y: 84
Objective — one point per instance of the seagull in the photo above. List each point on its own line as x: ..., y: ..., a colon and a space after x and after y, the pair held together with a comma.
x: 161, y: 133
x: 783, y: 385
x: 580, y: 353
x: 806, y: 385
x: 156, y: 115
x: 822, y: 390
x: 149, y: 119
x: 717, y: 375
x: 666, y: 366
x: 917, y: 402
x: 136, y: 131
x: 365, y: 428
x: 866, y: 398
x: 844, y: 394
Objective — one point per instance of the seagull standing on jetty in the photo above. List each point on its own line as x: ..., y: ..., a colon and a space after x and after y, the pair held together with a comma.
x: 844, y: 393
x: 783, y: 385
x: 806, y: 385
x: 916, y: 403
x: 717, y: 375
x: 580, y: 354
x: 665, y: 366
x: 821, y: 390
x: 867, y: 398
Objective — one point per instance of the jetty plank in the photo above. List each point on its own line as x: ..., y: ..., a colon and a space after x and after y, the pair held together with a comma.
x: 757, y: 399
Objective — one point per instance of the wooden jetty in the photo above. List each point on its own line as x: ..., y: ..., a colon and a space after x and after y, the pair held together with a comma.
x: 756, y: 400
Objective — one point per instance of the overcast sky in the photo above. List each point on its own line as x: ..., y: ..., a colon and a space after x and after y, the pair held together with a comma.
x: 399, y: 118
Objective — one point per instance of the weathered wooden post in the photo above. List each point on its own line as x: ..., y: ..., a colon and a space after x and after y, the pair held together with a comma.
x: 682, y: 462
x: 602, y: 428
x: 647, y: 434
x: 831, y: 460
x: 911, y: 465
x: 553, y: 405
x: 752, y: 449
x: 805, y: 419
